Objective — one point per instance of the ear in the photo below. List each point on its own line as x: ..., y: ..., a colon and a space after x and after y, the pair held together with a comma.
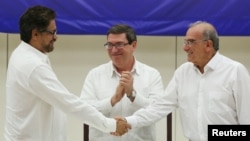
x: 34, y: 34
x: 134, y: 44
x: 209, y: 43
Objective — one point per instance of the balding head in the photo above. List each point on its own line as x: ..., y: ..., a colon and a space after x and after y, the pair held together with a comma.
x: 208, y: 30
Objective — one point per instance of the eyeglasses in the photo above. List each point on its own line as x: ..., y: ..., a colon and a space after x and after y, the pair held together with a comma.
x: 50, y: 32
x: 192, y: 41
x: 118, y: 45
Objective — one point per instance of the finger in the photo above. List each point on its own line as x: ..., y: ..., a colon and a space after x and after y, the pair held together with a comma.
x: 129, y: 126
x: 126, y: 75
x: 115, y: 134
x: 117, y: 118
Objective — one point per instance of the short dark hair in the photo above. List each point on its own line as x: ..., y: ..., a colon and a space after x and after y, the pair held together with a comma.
x: 36, y: 17
x: 123, y: 28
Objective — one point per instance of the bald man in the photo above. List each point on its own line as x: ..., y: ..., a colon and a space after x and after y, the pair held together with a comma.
x: 208, y: 89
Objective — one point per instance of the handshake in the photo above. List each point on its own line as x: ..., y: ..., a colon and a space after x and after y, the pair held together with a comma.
x: 122, y: 126
x: 125, y: 87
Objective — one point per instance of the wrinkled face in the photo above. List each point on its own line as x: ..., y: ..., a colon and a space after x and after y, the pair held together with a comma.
x: 195, y: 46
x: 119, y: 51
x: 47, y: 38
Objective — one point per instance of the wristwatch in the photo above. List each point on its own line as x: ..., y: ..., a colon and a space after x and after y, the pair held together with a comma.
x: 132, y: 96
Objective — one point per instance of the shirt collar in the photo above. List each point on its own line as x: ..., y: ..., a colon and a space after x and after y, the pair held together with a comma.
x: 113, y: 71
x: 43, y: 56
x: 212, y: 64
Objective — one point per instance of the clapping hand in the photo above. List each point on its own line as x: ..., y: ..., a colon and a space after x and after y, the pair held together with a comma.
x: 119, y: 93
x: 127, y: 82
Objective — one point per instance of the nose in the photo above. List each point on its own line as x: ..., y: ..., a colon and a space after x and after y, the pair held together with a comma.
x: 55, y: 37
x: 186, y: 47
x: 114, y: 49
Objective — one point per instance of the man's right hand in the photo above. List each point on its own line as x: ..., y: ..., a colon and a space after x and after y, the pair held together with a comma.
x: 119, y: 93
x: 122, y: 126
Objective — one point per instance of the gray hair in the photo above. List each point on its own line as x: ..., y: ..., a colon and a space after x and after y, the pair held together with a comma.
x: 208, y: 33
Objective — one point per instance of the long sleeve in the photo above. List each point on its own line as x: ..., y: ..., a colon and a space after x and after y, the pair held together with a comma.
x: 161, y: 107
x: 45, y: 85
x: 241, y: 89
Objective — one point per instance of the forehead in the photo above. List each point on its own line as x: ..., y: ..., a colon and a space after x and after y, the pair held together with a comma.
x: 52, y: 25
x: 117, y: 37
x: 195, y: 32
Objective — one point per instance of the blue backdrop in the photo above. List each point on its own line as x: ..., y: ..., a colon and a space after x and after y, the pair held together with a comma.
x: 148, y: 17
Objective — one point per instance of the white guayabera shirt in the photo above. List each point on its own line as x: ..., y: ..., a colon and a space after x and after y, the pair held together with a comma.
x: 37, y: 101
x: 100, y: 85
x: 218, y: 96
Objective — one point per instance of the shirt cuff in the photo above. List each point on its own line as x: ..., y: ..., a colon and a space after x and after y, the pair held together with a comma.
x: 111, y: 125
x: 132, y: 121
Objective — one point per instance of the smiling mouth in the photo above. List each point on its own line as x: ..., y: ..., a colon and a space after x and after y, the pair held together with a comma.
x: 189, y: 53
x: 116, y: 54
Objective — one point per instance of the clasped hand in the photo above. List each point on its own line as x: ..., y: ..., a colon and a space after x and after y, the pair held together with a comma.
x: 125, y: 86
x: 122, y: 126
